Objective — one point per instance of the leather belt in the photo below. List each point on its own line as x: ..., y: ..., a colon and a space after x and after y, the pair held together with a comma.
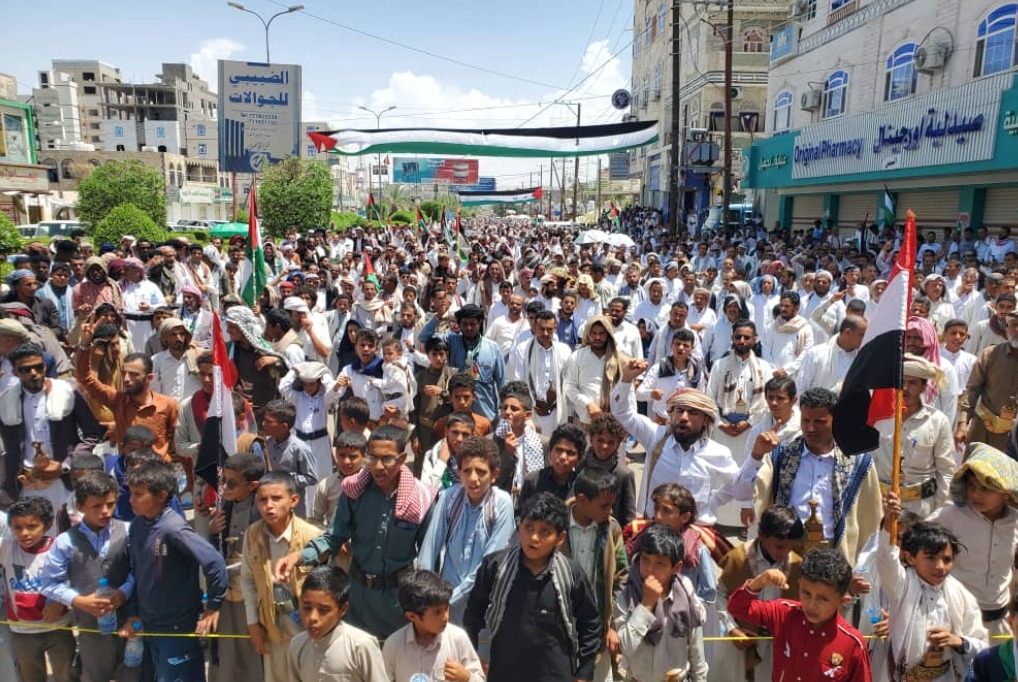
x: 543, y: 408
x: 314, y: 435
x: 994, y: 614
x: 916, y: 491
x: 377, y: 582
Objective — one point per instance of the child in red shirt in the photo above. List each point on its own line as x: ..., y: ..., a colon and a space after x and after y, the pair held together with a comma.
x: 812, y: 642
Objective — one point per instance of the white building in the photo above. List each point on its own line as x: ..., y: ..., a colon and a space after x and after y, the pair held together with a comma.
x: 58, y: 110
x: 90, y: 75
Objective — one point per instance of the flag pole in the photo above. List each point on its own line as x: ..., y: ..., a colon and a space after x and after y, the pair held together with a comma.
x: 899, y: 400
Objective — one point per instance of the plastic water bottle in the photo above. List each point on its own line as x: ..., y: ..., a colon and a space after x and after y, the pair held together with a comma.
x: 135, y: 648
x: 205, y: 602
x: 107, y: 621
x: 186, y: 498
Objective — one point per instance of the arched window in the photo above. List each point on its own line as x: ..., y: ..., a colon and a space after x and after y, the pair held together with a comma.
x: 65, y: 169
x: 995, y: 41
x: 835, y: 94
x: 753, y: 40
x: 899, y: 81
x: 783, y: 111
x: 173, y: 177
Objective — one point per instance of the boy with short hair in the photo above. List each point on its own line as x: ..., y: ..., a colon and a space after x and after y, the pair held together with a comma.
x: 658, y: 615
x: 812, y: 642
x: 432, y: 393
x: 355, y: 415
x: 438, y: 469
x: 605, y: 435
x: 997, y: 662
x: 229, y: 525
x: 39, y: 628
x: 68, y: 514
x: 429, y: 644
x: 329, y: 648
x: 278, y: 533
x: 595, y: 541
x: 522, y: 449
x: 93, y: 549
x: 285, y: 451
x: 397, y: 384
x: 461, y: 399
x: 565, y: 448
x: 348, y: 458
x: 472, y: 519
x: 537, y: 603
x: 165, y: 551
x: 136, y: 438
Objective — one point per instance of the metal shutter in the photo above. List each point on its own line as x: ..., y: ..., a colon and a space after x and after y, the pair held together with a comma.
x: 806, y: 208
x: 1001, y: 207
x: 853, y: 208
x: 932, y: 209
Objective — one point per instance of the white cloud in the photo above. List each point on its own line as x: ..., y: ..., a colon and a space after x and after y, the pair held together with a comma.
x: 209, y: 52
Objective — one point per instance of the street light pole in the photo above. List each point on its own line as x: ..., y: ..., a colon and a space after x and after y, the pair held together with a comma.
x: 289, y: 10
x: 378, y: 157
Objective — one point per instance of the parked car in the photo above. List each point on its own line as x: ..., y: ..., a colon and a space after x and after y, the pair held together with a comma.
x: 191, y: 225
x: 47, y: 229
x: 27, y: 230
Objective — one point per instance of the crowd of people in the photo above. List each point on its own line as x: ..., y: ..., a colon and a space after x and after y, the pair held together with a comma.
x: 432, y: 471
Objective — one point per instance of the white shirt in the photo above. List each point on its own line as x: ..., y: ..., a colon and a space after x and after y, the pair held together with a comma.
x: 582, y: 385
x: 963, y: 362
x: 813, y: 482
x: 171, y: 376
x: 505, y: 332
x: 824, y: 365
x: 627, y: 340
x: 649, y: 311
x: 784, y: 350
x: 667, y: 385
x: 746, y: 481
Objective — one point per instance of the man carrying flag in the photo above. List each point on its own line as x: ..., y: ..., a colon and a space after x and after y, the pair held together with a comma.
x: 616, y: 223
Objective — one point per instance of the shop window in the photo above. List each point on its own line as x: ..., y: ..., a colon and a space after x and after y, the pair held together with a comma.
x: 835, y: 94
x: 783, y: 111
x: 900, y: 80
x: 753, y: 40
x: 995, y: 41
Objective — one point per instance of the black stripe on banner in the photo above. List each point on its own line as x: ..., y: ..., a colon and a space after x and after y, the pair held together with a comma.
x: 495, y: 193
x: 561, y: 132
x: 876, y: 366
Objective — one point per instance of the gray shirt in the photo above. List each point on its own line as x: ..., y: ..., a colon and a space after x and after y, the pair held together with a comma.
x: 294, y: 456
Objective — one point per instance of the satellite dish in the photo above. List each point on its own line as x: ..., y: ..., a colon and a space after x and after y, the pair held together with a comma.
x: 621, y: 99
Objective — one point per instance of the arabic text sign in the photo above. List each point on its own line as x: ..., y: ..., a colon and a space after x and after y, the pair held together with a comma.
x: 948, y: 127
x: 259, y: 114
x: 411, y: 169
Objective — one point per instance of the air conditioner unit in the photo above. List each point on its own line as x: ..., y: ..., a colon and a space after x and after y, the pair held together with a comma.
x: 799, y: 8
x: 697, y: 135
x: 656, y: 95
x: 930, y: 58
x: 737, y: 93
x: 810, y: 100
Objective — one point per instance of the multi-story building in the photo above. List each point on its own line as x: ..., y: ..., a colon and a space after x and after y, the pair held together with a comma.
x: 58, y: 111
x: 21, y: 180
x: 90, y: 75
x: 915, y: 96
x: 701, y: 101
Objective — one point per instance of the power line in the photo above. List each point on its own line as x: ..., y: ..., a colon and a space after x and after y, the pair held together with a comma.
x: 586, y: 44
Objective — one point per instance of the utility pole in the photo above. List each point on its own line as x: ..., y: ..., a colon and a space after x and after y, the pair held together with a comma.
x: 676, y: 128
x: 597, y: 209
x: 576, y: 168
x: 378, y: 157
x: 727, y: 193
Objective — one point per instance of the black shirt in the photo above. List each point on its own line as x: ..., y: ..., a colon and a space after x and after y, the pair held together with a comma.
x: 543, y: 481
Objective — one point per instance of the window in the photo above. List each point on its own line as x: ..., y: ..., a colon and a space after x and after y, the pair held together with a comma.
x: 94, y: 126
x: 811, y: 9
x: 995, y: 41
x: 89, y: 89
x: 646, y: 89
x: 43, y: 79
x: 88, y: 76
x: 637, y: 43
x: 901, y: 73
x: 93, y: 112
x: 838, y: 4
x: 753, y: 40
x: 662, y: 19
x: 658, y: 78
x: 65, y: 170
x: 647, y: 37
x: 835, y: 90
x: 783, y: 111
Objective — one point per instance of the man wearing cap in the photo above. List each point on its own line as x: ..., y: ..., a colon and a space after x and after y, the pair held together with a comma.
x: 195, y: 316
x: 141, y: 297
x: 988, y: 407
x: 175, y: 370
x: 655, y: 307
x: 24, y: 285
x: 823, y: 304
x: 469, y: 351
x: 548, y: 295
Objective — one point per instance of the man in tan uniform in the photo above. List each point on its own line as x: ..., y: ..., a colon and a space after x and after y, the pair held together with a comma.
x: 989, y: 404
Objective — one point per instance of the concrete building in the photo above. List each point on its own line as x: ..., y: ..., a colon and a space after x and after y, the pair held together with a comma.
x: 58, y: 111
x: 701, y: 100
x: 917, y: 95
x: 22, y: 181
x: 90, y: 75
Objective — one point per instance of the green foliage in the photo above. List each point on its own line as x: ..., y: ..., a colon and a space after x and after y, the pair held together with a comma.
x: 347, y: 219
x: 242, y: 216
x: 10, y: 239
x: 200, y: 236
x: 432, y: 210
x: 121, y: 182
x: 403, y: 217
x: 128, y: 219
x: 296, y: 192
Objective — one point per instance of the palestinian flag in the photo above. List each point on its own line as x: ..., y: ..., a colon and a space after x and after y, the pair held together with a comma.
x: 868, y: 391
x: 255, y: 273
x: 505, y: 196
x: 369, y: 269
x: 371, y: 206
x: 616, y: 222
x: 887, y: 213
x: 421, y: 222
x: 509, y: 142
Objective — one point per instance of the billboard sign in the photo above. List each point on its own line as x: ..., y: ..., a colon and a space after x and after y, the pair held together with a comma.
x: 259, y: 114
x: 618, y: 166
x: 410, y: 169
x: 483, y: 185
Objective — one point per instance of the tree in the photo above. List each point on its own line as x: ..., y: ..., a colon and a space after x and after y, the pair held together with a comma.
x: 127, y: 219
x: 295, y: 192
x: 121, y: 182
x: 10, y: 238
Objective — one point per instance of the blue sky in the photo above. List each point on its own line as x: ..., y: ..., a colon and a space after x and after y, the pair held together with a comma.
x: 553, y: 42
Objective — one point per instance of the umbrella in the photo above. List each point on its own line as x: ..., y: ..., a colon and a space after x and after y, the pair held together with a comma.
x: 226, y: 230
x: 620, y: 239
x: 591, y: 237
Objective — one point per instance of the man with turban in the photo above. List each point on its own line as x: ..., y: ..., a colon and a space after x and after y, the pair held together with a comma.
x: 196, y: 316
x: 921, y: 339
x: 24, y: 285
x: 593, y: 370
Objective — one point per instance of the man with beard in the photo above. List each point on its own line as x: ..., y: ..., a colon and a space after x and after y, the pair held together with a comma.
x: 175, y: 370
x: 548, y: 293
x: 567, y: 325
x: 407, y: 329
x: 259, y: 368
x: 660, y: 347
x: 165, y: 274
x: 62, y: 295
x: 23, y: 285
x: 631, y: 289
x: 788, y: 338
x: 137, y: 404
x: 655, y: 308
x: 826, y: 364
x: 141, y: 298
x: 833, y: 313
x: 988, y: 407
x: 506, y: 329
x: 539, y: 362
x: 47, y: 411
x: 196, y: 317
x: 812, y: 475
x: 627, y: 336
x: 593, y: 370
x: 921, y: 339
x: 471, y: 352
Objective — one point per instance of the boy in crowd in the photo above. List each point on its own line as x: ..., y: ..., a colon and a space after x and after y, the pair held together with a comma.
x: 329, y: 648
x: 461, y: 399
x: 429, y: 644
x: 165, y: 551
x: 286, y: 452
x: 537, y: 603
x: 279, y: 532
x: 439, y: 469
x: 595, y: 542
x: 136, y: 438
x: 347, y: 460
x: 397, y: 384
x: 355, y: 415
x: 522, y: 450
x: 68, y: 514
x: 39, y: 628
x: 472, y: 519
x: 432, y: 392
x: 565, y: 448
x: 304, y: 387
x: 228, y: 526
x: 606, y: 435
x: 95, y: 548
x: 998, y: 662
x: 658, y: 615
x: 812, y: 642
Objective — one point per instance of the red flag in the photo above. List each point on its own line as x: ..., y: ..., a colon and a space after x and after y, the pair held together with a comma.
x: 369, y: 268
x: 220, y: 357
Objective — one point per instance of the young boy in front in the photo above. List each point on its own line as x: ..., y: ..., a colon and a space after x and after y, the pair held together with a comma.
x: 606, y: 435
x: 429, y: 644
x: 439, y: 468
x: 812, y: 642
x: 461, y: 399
x: 235, y: 658
x: 39, y: 628
x: 330, y: 649
x: 595, y: 542
x: 565, y: 448
x: 95, y: 548
x: 472, y: 519
x: 658, y: 615
x: 166, y: 555
x: 537, y: 603
x: 347, y: 459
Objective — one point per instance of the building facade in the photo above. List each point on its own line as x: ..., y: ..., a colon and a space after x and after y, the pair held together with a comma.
x: 58, y: 111
x: 22, y: 181
x: 915, y: 96
x: 90, y: 75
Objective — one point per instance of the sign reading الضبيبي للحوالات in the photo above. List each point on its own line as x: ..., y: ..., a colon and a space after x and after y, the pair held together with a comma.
x: 948, y: 127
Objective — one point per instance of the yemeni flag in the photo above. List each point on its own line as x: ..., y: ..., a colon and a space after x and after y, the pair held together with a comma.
x: 616, y: 223
x: 505, y: 196
x: 254, y: 278
x: 887, y: 212
x: 219, y: 435
x: 868, y: 391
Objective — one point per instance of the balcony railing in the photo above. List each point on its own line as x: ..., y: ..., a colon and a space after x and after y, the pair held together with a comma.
x: 842, y: 12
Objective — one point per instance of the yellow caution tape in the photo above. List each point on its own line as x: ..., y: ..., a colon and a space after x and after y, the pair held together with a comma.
x: 143, y: 633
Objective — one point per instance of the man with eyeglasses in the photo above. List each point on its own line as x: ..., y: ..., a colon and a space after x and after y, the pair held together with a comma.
x: 45, y: 422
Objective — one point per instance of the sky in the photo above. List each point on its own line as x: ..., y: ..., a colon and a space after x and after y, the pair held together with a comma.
x: 492, y: 64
